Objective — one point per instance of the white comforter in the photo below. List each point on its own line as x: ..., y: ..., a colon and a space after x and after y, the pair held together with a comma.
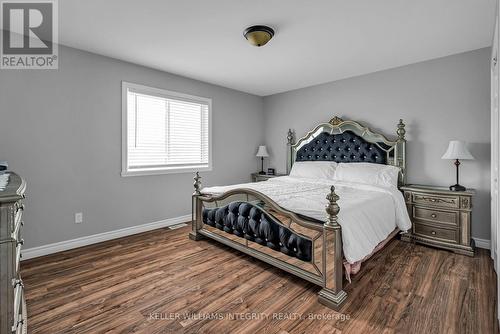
x: 368, y: 214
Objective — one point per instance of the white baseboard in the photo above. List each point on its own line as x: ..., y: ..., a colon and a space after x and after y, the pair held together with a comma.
x: 30, y: 253
x: 482, y: 243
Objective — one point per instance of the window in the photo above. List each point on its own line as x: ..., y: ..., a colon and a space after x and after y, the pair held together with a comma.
x: 164, y: 132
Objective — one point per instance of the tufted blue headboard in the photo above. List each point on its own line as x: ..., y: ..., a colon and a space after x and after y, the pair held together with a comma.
x: 342, y: 147
x: 349, y: 141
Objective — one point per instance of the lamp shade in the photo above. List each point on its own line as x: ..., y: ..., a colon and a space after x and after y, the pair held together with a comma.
x: 457, y: 149
x: 262, y: 152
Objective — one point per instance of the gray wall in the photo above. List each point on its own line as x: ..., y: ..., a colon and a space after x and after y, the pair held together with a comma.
x: 440, y: 100
x: 61, y: 130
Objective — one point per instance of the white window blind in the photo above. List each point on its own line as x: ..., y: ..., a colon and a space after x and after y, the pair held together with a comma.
x: 166, y: 131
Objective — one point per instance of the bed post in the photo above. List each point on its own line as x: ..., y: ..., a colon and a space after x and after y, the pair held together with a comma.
x: 400, y: 151
x: 289, y: 155
x: 196, y: 219
x: 332, y: 294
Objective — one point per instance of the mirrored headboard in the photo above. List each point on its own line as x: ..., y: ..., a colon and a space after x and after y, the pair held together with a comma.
x: 348, y: 141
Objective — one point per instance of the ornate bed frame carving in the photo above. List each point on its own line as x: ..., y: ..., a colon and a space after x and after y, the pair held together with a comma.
x: 395, y: 151
x: 251, y: 222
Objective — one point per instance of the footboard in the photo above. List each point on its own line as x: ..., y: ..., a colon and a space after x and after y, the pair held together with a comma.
x: 251, y: 222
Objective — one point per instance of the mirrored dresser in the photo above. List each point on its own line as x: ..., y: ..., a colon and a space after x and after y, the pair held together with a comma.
x: 13, y: 316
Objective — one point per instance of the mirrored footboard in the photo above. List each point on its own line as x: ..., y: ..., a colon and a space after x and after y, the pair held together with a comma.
x: 251, y: 222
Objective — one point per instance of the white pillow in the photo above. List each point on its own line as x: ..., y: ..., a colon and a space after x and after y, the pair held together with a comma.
x: 368, y: 173
x: 314, y: 169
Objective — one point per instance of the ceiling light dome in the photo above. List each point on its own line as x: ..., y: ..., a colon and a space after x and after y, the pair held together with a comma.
x: 258, y: 35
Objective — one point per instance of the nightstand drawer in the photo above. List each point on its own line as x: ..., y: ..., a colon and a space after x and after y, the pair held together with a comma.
x: 448, y: 235
x: 437, y: 201
x: 256, y: 177
x: 438, y: 216
x: 260, y: 178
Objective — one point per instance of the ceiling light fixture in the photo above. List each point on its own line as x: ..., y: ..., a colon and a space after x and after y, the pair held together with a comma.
x: 258, y: 35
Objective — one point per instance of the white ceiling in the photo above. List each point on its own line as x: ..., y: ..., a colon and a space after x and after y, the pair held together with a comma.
x: 316, y: 41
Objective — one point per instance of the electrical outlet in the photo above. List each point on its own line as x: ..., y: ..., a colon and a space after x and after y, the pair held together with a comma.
x: 78, y: 218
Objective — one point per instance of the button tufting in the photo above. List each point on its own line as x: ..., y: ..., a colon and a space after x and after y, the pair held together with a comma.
x: 295, y: 249
x: 345, y: 143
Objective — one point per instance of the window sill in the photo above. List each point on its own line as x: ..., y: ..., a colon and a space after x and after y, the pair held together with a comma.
x: 146, y: 172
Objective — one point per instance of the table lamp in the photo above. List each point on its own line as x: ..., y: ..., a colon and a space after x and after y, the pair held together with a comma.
x: 262, y: 153
x: 457, y: 150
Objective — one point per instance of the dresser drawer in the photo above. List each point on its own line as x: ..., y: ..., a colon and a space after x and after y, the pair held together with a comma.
x: 428, y: 231
x: 434, y: 215
x: 437, y: 201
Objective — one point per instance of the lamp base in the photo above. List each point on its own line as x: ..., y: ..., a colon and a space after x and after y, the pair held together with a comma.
x: 262, y: 173
x: 457, y: 187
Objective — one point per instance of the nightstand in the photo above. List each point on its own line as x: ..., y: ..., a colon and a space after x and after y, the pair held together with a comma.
x: 256, y: 177
x: 440, y: 217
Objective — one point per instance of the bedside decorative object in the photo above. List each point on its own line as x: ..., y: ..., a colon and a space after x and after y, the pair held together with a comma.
x: 3, y: 166
x: 271, y: 171
x: 257, y: 177
x: 440, y: 217
x: 262, y: 153
x: 457, y: 150
x: 4, y: 180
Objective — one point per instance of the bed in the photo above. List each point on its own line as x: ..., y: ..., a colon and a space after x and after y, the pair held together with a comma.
x: 339, y: 205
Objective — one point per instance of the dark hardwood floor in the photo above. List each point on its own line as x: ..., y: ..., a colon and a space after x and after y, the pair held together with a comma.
x: 162, y: 282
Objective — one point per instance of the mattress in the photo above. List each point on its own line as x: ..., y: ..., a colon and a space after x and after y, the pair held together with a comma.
x: 368, y: 214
